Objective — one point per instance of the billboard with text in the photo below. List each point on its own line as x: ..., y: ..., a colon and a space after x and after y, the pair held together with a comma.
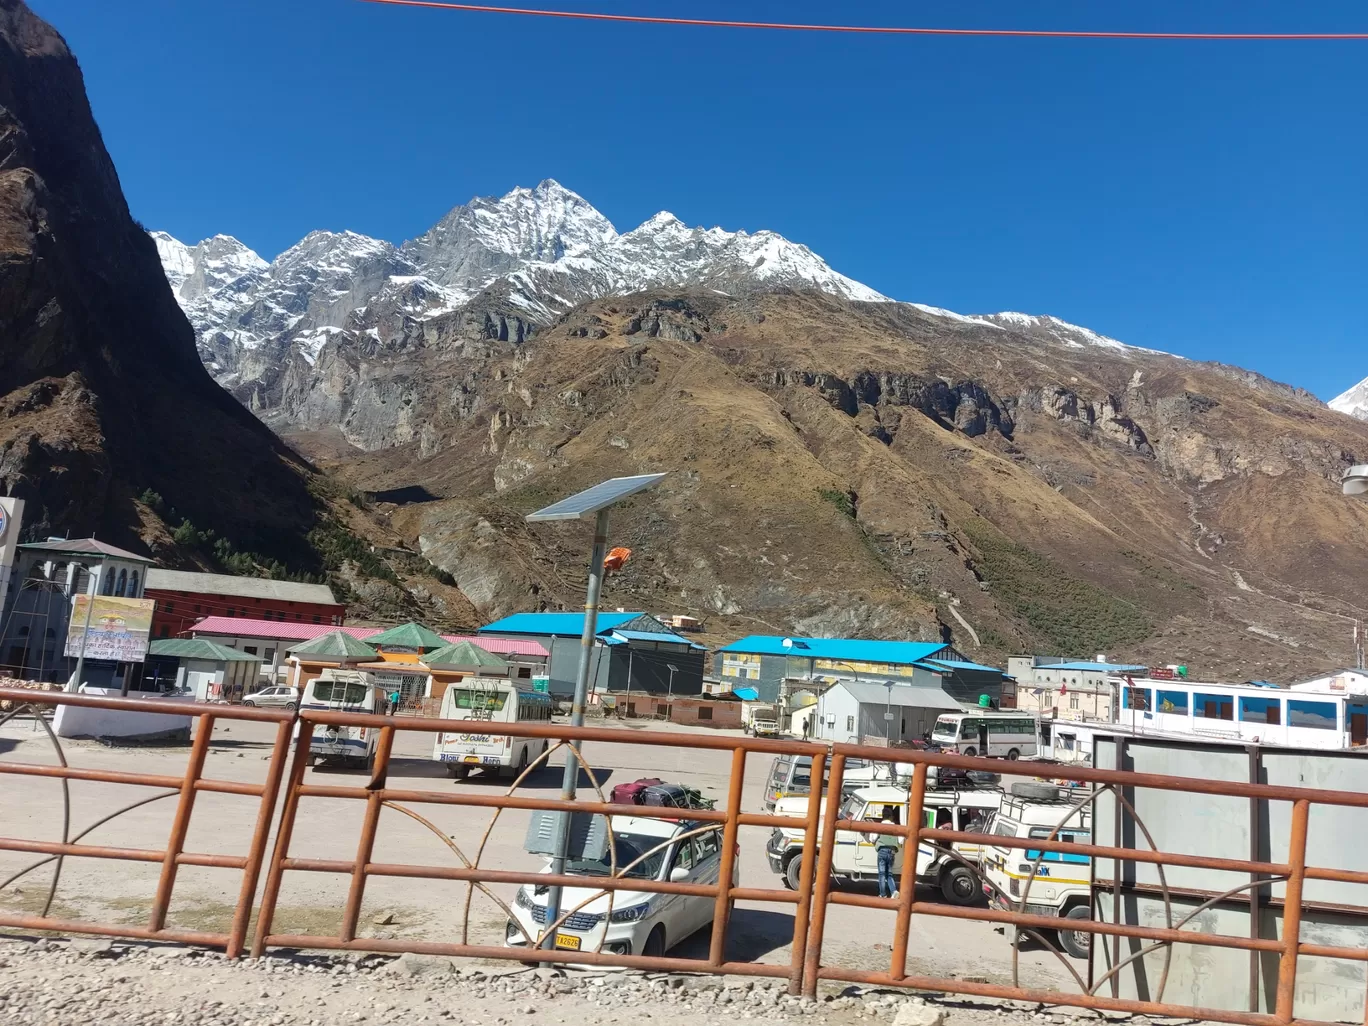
x: 119, y: 628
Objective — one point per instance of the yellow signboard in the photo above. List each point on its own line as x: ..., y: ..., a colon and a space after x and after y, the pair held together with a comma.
x: 119, y: 628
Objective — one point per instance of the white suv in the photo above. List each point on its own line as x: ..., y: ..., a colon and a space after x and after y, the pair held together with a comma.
x: 273, y: 698
x: 641, y: 922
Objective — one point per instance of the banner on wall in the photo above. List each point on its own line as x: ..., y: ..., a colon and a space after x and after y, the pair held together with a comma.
x: 119, y: 628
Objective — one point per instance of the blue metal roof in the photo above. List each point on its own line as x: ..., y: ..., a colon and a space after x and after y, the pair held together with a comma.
x: 956, y: 664
x: 569, y: 625
x: 746, y: 694
x: 1096, y: 667
x: 853, y: 650
x: 664, y: 639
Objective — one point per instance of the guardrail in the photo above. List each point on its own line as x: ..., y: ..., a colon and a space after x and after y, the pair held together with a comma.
x: 810, y: 901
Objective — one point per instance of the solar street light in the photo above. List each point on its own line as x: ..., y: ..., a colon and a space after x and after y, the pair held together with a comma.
x: 592, y: 502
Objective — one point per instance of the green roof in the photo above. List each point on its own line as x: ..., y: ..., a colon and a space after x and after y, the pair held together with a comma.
x: 410, y: 635
x: 337, y: 644
x: 463, y: 654
x: 200, y: 648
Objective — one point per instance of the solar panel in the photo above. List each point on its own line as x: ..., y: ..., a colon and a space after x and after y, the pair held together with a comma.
x: 591, y: 500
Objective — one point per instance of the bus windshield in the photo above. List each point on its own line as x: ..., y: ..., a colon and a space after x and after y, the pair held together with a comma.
x: 947, y: 729
x: 339, y: 692
x: 490, y: 701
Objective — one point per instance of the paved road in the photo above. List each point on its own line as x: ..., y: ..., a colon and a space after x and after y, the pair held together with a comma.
x: 328, y: 828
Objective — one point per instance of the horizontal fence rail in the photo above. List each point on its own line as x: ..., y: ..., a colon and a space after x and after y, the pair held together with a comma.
x: 287, y: 786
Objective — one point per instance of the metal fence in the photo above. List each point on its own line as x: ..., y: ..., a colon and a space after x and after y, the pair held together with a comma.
x: 809, y: 902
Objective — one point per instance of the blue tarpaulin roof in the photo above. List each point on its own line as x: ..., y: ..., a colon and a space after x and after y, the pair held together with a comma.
x: 853, y: 650
x: 746, y: 694
x: 663, y: 639
x: 558, y: 624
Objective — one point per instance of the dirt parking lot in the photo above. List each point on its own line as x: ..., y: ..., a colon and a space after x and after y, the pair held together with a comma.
x: 105, y: 890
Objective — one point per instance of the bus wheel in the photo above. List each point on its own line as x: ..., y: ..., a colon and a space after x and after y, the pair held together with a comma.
x: 971, y: 751
x: 1014, y: 753
x: 457, y: 771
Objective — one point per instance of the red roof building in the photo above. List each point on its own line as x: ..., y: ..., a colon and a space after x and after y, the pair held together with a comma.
x: 183, y: 599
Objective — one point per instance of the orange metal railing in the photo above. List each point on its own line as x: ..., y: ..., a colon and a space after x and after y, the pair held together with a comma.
x: 810, y: 901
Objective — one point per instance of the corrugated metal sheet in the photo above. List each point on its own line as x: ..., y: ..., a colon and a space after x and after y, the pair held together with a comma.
x: 853, y: 649
x: 239, y: 587
x: 243, y: 627
x: 560, y: 624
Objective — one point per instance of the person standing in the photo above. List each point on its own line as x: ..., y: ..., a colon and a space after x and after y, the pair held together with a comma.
x: 394, y: 699
x: 886, y: 852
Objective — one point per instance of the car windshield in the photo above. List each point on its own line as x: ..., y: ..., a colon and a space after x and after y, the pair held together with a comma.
x: 630, y: 847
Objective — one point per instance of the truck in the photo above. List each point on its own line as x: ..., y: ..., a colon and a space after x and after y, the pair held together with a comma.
x: 762, y: 720
x: 1042, y: 883
x: 855, y: 858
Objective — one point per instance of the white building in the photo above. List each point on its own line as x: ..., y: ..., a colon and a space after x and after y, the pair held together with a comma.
x: 1312, y: 715
x: 873, y: 712
x: 1067, y: 690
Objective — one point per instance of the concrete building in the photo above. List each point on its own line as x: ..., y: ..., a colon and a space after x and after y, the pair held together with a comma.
x: 765, y: 662
x: 1064, y: 690
x: 879, y: 712
x: 184, y: 598
x: 209, y: 671
x: 632, y: 652
x: 272, y: 639
x: 47, y: 577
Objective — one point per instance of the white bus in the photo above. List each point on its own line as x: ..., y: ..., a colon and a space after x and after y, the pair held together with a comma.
x: 1009, y: 734
x: 346, y: 691
x: 491, y: 700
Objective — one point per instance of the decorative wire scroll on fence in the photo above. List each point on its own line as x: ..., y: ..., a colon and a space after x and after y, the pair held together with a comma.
x: 286, y: 786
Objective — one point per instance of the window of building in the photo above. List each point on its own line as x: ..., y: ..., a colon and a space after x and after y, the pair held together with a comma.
x: 1138, y: 698
x: 850, y: 724
x: 705, y: 712
x: 164, y: 631
x: 121, y: 588
x: 662, y: 709
x: 1261, y: 710
x: 1073, y: 701
x: 269, y: 656
x: 1213, y: 707
x: 318, y: 619
x: 1173, y: 701
x: 133, y: 585
x: 108, y: 574
x: 197, y: 608
x: 249, y: 649
x: 524, y: 672
x: 1321, y: 715
x: 170, y: 607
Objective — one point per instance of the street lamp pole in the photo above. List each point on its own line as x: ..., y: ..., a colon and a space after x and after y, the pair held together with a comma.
x: 595, y: 501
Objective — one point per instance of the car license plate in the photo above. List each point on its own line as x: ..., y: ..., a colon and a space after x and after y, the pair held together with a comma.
x: 567, y: 941
x: 472, y: 758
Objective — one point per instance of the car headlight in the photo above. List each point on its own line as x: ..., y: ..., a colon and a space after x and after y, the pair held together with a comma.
x: 632, y: 913
x: 522, y: 900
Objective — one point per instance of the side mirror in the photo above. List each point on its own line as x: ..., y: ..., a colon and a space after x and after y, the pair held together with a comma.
x: 679, y: 874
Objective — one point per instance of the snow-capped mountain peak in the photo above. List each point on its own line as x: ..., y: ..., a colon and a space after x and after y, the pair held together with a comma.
x: 1353, y: 402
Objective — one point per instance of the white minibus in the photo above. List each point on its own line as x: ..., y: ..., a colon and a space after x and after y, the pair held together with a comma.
x: 1009, y: 734
x: 491, y: 700
x: 346, y: 691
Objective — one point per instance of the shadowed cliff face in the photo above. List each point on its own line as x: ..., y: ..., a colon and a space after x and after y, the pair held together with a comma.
x: 103, y: 393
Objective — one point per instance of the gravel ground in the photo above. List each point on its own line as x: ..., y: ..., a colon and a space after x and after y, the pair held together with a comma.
x: 96, y: 981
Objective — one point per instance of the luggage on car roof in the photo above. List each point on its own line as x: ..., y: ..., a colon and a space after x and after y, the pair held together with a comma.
x: 631, y: 794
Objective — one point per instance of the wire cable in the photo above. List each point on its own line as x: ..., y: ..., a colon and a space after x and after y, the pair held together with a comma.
x: 642, y: 19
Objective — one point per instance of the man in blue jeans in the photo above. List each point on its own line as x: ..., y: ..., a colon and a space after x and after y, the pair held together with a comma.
x: 886, y: 849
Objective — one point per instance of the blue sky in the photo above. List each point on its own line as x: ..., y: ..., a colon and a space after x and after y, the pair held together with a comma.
x: 1208, y: 199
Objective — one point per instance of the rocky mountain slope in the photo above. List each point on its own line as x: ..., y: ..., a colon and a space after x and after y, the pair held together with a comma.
x: 878, y: 469
x: 102, y: 396
x: 1354, y: 401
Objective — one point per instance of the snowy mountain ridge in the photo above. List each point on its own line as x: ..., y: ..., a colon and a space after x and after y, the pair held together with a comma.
x: 1353, y: 401
x: 527, y: 256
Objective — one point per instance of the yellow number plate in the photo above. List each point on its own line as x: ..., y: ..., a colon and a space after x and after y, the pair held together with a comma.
x: 567, y: 941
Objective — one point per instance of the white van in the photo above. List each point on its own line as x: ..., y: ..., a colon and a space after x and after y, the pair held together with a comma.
x: 1062, y: 883
x: 339, y: 690
x: 856, y: 859
x: 491, y: 700
x: 1012, y: 735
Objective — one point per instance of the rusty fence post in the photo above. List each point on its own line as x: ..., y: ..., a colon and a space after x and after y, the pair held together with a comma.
x: 907, y: 883
x: 256, y: 852
x: 821, y: 885
x: 802, y: 913
x: 717, y: 950
x: 366, y: 845
x: 283, y: 834
x: 180, y: 825
x: 1292, y: 911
